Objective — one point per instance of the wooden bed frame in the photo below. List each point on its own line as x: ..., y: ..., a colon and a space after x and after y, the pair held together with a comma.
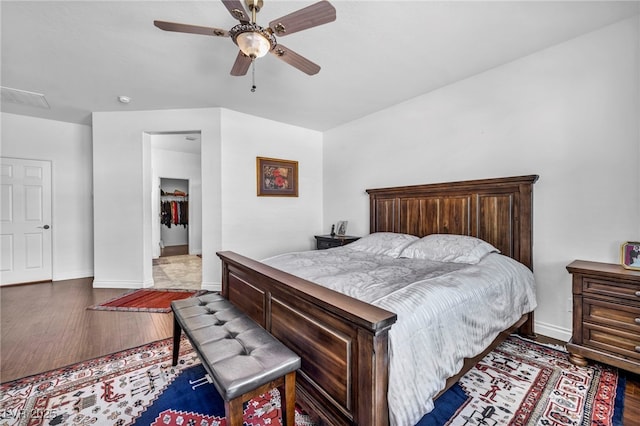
x: 342, y: 341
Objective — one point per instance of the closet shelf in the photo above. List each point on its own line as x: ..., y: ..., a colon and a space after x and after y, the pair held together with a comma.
x: 176, y: 193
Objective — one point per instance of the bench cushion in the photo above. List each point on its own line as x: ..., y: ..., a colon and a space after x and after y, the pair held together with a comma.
x: 237, y: 353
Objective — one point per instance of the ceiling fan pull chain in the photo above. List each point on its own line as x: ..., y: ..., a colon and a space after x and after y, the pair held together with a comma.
x: 253, y: 75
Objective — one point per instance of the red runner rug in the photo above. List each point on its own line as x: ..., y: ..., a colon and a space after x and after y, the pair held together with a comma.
x: 156, y: 300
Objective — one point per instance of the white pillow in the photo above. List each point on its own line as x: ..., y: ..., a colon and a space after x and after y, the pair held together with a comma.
x: 449, y: 248
x: 389, y: 243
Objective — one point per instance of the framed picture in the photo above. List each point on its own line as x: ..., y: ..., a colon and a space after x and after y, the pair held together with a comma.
x: 630, y: 255
x: 276, y: 177
x: 341, y: 228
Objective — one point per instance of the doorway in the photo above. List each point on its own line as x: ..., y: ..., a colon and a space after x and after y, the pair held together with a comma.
x: 176, y: 210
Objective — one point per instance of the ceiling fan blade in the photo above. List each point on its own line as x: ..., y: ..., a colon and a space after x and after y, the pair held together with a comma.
x: 191, y: 29
x: 236, y: 10
x: 308, y: 17
x: 295, y: 60
x: 241, y: 65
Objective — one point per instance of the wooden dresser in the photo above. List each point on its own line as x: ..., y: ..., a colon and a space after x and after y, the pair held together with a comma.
x: 606, y: 315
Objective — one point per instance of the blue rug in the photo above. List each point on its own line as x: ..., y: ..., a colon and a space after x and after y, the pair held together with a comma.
x: 191, y: 400
x: 188, y: 393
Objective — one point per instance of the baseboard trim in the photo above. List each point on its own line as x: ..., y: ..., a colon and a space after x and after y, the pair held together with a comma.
x: 211, y: 286
x: 118, y: 284
x: 72, y: 275
x: 553, y: 331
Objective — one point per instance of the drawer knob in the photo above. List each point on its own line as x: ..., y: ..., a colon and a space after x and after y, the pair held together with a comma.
x: 637, y: 348
x: 638, y: 293
x: 637, y: 320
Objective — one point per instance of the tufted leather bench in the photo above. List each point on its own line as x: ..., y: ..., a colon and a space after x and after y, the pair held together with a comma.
x: 242, y: 359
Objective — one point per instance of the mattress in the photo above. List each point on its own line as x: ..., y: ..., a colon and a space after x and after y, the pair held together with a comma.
x: 447, y: 310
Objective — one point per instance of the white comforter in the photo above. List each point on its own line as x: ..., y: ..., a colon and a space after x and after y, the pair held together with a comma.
x: 446, y: 312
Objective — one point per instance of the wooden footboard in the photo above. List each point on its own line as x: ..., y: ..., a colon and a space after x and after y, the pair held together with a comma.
x: 342, y: 341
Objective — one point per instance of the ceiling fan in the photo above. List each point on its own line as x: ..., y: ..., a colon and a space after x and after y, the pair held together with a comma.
x: 255, y: 41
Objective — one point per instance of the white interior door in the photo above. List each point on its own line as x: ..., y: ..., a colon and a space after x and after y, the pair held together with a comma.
x: 25, y: 220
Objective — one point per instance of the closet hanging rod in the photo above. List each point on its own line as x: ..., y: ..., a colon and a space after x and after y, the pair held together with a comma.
x: 174, y: 197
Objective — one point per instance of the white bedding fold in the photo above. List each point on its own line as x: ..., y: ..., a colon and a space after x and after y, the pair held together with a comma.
x: 446, y: 312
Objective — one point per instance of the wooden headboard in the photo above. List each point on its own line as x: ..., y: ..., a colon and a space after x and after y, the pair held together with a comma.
x: 498, y: 211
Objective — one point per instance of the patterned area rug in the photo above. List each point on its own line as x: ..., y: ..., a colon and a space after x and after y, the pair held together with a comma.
x: 519, y: 383
x: 524, y: 383
x: 134, y: 387
x: 145, y: 300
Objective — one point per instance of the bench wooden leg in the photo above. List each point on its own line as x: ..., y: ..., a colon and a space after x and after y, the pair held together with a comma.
x: 289, y: 400
x: 177, y: 331
x: 233, y: 412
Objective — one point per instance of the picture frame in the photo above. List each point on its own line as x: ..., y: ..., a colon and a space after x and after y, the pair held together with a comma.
x: 341, y: 228
x: 630, y: 255
x: 276, y: 177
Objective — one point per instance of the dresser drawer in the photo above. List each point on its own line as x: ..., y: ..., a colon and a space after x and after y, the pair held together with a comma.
x: 328, y: 241
x: 611, y: 289
x: 616, y: 315
x: 324, y: 244
x: 615, y: 341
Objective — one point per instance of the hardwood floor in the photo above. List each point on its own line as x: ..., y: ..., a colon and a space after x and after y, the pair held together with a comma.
x: 45, y: 326
x: 632, y: 402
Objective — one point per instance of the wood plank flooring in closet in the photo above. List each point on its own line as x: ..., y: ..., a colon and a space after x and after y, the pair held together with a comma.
x: 174, y: 250
x: 46, y: 326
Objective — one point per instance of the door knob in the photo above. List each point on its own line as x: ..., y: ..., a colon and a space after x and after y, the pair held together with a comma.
x: 44, y: 227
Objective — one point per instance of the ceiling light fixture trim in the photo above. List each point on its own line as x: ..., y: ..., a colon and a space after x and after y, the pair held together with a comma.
x: 253, y: 40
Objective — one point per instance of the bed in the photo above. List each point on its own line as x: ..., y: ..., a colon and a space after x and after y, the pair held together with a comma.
x: 343, y: 341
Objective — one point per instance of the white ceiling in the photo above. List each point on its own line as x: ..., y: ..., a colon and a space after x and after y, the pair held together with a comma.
x: 188, y: 142
x: 83, y: 54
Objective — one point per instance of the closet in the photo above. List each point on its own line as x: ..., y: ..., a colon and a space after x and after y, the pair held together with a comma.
x: 174, y: 212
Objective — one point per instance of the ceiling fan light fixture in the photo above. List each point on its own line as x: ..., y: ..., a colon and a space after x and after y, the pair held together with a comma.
x: 253, y: 40
x: 253, y: 44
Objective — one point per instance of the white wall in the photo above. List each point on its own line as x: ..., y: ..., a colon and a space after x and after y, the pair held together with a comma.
x: 68, y: 147
x: 123, y: 192
x: 259, y: 227
x: 568, y: 113
x: 233, y: 217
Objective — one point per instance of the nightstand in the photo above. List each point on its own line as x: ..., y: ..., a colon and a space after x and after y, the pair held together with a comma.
x: 606, y: 315
x: 327, y: 241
